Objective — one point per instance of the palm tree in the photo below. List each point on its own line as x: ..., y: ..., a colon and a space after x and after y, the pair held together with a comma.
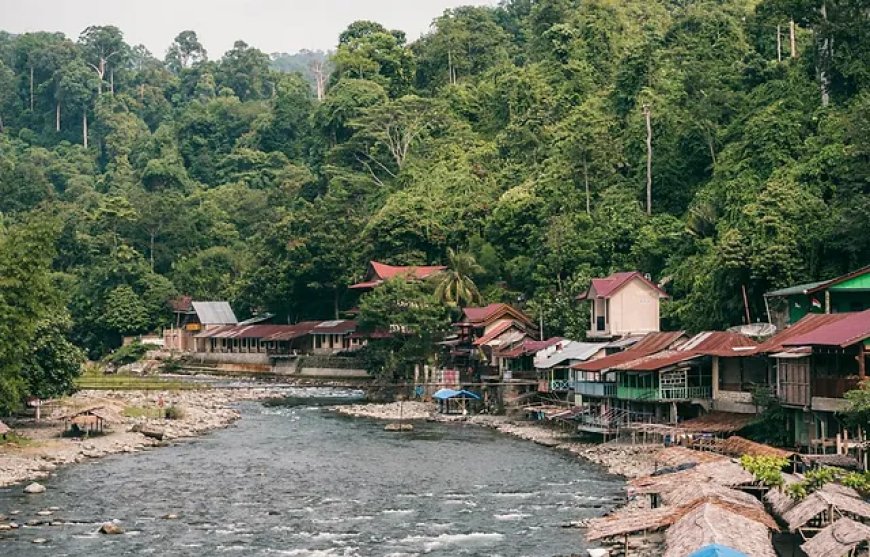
x: 455, y: 285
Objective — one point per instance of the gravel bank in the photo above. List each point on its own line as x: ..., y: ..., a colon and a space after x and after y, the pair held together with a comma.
x: 406, y: 410
x: 203, y: 410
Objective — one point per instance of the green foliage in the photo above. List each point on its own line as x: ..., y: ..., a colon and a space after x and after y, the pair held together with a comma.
x: 766, y: 469
x: 174, y: 412
x: 515, y: 134
x: 127, y: 354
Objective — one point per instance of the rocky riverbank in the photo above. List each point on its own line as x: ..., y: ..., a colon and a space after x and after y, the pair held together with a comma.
x: 199, y: 411
x: 630, y: 461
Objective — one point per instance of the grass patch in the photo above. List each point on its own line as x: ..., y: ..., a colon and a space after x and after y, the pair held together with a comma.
x: 142, y: 412
x: 13, y: 439
x: 132, y: 383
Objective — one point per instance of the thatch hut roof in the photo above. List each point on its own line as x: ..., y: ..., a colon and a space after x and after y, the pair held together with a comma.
x: 819, y: 502
x: 723, y: 472
x: 838, y: 539
x: 781, y: 502
x: 633, y: 520
x: 737, y: 446
x: 711, y: 523
x: 4, y: 429
x: 104, y: 413
x: 690, y: 494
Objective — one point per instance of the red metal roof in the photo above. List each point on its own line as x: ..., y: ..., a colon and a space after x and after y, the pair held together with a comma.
x: 711, y: 343
x: 496, y: 332
x: 529, y: 346
x: 608, y: 286
x: 810, y: 322
x: 650, y: 344
x: 281, y: 332
x: 850, y: 329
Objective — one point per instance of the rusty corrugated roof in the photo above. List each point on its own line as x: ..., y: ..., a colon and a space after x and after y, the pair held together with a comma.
x: 810, y: 322
x: 846, y: 331
x: 710, y: 343
x: 650, y: 344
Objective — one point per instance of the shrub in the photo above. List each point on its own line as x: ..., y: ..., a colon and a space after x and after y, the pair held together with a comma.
x: 174, y: 412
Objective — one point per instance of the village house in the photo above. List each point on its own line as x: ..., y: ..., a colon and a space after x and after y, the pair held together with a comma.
x: 622, y: 304
x: 553, y: 364
x: 377, y: 273
x: 596, y: 385
x: 192, y: 318
x: 846, y: 293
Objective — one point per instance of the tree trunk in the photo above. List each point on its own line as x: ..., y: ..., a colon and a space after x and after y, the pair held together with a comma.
x: 1, y: 123
x: 57, y: 117
x: 85, y: 128
x: 778, y: 44
x: 791, y: 39
x: 335, y: 301
x: 649, y: 154
x: 112, y: 81
x: 586, y: 180
x: 31, y: 88
x: 141, y: 92
x: 824, y: 61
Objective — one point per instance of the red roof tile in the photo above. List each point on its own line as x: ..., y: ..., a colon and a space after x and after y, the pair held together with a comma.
x: 810, y: 322
x: 608, y: 286
x: 850, y: 329
x: 650, y: 344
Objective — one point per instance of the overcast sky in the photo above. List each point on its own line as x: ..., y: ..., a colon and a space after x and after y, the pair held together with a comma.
x: 270, y: 25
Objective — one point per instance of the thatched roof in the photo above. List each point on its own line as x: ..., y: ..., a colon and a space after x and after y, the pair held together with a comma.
x: 819, y: 502
x: 633, y: 520
x: 781, y: 502
x: 737, y: 446
x: 838, y: 460
x: 673, y: 456
x: 711, y: 523
x: 713, y: 493
x: 105, y: 413
x: 4, y: 429
x: 722, y: 472
x: 717, y: 422
x: 838, y: 539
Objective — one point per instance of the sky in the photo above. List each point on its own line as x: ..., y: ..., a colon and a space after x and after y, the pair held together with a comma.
x: 270, y: 25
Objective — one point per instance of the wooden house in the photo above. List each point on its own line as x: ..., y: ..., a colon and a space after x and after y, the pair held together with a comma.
x: 555, y: 374
x: 846, y: 293
x: 814, y: 371
x: 193, y: 318
x: 377, y: 273
x: 623, y: 304
x: 306, y: 337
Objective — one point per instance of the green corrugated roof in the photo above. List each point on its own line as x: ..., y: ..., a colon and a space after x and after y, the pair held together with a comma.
x: 797, y: 289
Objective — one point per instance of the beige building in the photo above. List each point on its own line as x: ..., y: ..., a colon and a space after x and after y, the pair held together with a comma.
x: 623, y: 304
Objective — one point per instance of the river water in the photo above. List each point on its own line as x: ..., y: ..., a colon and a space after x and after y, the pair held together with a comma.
x: 303, y: 481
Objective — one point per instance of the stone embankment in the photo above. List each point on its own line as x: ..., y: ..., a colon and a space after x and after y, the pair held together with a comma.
x: 200, y: 411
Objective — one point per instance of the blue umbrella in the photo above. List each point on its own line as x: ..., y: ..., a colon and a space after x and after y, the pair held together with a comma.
x: 716, y: 550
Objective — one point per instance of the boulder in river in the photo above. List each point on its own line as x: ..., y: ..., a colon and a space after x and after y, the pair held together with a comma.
x: 34, y: 488
x: 110, y: 528
x: 40, y: 540
x: 399, y: 427
x: 170, y: 516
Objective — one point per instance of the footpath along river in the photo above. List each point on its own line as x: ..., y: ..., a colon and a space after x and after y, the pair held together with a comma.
x: 300, y: 480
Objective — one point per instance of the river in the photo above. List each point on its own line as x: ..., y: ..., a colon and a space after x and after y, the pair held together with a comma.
x: 298, y: 480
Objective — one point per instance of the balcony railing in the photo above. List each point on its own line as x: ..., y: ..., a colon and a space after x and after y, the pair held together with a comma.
x: 663, y: 393
x: 589, y: 388
x: 557, y: 385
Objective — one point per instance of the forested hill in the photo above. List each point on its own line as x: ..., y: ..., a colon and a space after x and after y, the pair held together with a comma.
x: 516, y: 134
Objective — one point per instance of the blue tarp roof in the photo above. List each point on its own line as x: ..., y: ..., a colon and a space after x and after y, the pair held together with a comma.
x: 445, y: 394
x: 716, y: 550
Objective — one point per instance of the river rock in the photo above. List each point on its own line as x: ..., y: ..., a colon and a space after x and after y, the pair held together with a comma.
x: 40, y: 540
x: 5, y: 527
x: 13, y: 525
x: 399, y: 427
x: 34, y: 488
x: 110, y: 528
x: 170, y: 516
x: 598, y: 552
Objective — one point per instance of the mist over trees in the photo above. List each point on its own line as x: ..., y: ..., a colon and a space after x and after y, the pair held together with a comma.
x: 515, y: 134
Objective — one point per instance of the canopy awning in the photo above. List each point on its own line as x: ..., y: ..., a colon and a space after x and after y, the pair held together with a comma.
x: 717, y: 550
x: 446, y: 394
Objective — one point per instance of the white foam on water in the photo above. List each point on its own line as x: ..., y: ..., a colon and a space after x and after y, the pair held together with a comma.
x: 399, y: 511
x: 429, y: 543
x: 510, y: 516
x: 518, y: 495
